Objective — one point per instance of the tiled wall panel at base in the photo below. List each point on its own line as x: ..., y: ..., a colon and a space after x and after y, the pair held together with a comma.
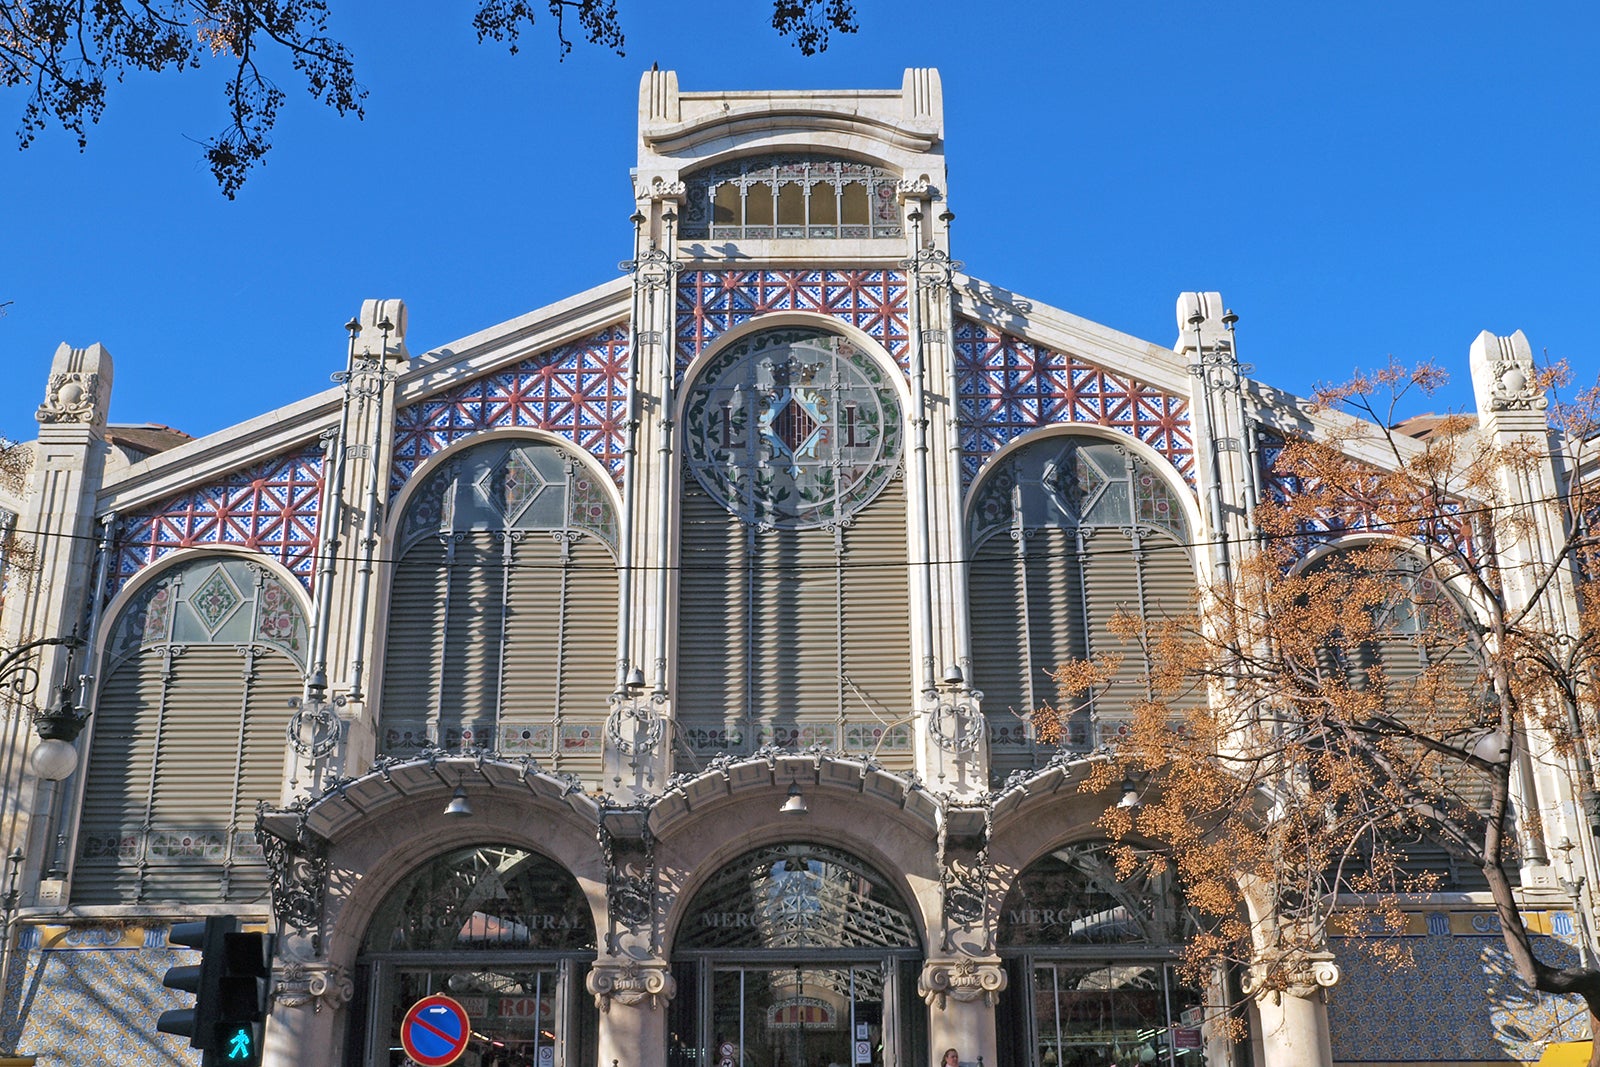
x: 90, y: 997
x: 1458, y: 1000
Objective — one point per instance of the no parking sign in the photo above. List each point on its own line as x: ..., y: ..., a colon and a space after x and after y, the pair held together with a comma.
x: 435, y: 1031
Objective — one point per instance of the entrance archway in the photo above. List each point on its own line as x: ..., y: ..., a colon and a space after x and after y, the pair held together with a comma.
x: 505, y: 932
x: 797, y: 955
x: 1091, y: 960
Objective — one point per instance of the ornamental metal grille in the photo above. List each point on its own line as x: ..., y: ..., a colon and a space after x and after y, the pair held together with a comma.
x: 793, y: 428
x: 792, y: 196
x: 488, y: 898
x: 798, y: 896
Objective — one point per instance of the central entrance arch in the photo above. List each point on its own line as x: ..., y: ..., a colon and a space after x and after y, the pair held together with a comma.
x: 797, y: 955
x: 506, y: 932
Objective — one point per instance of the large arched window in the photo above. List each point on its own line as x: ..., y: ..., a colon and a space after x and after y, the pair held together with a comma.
x: 188, y: 735
x: 1066, y: 532
x: 1404, y: 639
x: 503, y: 610
x: 793, y: 596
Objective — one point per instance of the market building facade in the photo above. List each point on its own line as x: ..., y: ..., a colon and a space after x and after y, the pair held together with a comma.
x: 652, y: 673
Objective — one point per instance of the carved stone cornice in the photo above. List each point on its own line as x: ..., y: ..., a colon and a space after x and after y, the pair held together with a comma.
x: 963, y: 979
x: 630, y: 982
x: 297, y: 984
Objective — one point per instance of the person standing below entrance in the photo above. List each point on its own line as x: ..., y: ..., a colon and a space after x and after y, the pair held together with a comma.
x: 950, y: 1058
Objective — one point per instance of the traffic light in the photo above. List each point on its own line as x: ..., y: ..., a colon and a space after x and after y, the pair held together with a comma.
x: 199, y: 1023
x: 242, y: 998
x: 230, y: 984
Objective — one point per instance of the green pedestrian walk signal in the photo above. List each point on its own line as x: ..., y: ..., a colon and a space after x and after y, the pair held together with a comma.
x: 239, y: 1044
x: 231, y: 988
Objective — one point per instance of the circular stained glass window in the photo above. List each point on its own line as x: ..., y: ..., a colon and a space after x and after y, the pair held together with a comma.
x: 793, y: 428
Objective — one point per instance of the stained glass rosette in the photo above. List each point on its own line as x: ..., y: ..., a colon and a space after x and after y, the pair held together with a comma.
x: 793, y: 428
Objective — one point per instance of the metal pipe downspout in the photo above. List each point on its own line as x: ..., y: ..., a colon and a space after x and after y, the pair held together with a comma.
x: 668, y: 348
x: 954, y: 481
x: 333, y: 522
x: 65, y: 828
x: 919, y: 408
x: 630, y: 451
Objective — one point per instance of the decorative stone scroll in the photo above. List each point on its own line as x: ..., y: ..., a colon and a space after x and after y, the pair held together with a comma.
x: 297, y: 984
x: 71, y: 397
x: 630, y: 982
x: 963, y: 979
x: 1304, y: 978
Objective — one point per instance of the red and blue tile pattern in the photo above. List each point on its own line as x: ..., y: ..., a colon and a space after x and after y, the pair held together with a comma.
x: 1009, y: 387
x: 578, y: 391
x: 712, y: 302
x: 270, y: 507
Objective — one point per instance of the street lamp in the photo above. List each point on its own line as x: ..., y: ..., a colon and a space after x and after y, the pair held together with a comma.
x: 56, y: 757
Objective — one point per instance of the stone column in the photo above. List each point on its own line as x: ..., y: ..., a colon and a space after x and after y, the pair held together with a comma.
x: 1294, y: 1021
x: 310, y: 1002
x: 632, y: 996
x: 960, y: 992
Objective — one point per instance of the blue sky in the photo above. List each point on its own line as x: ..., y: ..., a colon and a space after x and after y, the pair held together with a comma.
x: 1357, y: 179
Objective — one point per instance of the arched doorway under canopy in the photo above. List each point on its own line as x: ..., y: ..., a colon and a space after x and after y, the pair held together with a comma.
x: 796, y: 955
x: 1091, y: 961
x: 505, y: 932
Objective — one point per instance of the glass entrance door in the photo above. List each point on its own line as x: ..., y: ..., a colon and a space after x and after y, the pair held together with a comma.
x: 522, y: 1015
x: 801, y: 1016
x: 1114, y: 1014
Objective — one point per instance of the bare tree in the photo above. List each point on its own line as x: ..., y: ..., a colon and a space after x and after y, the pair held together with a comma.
x: 1328, y: 719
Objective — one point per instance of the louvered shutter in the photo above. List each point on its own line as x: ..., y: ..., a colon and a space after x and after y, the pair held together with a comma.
x: 415, y: 641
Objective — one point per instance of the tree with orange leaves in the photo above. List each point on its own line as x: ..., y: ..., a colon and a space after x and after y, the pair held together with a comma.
x: 1402, y: 661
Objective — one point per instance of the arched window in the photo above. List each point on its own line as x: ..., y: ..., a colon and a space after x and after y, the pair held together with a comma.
x: 794, y: 195
x: 793, y: 596
x: 1066, y: 532
x: 503, y: 612
x: 188, y: 734
x: 1405, y: 639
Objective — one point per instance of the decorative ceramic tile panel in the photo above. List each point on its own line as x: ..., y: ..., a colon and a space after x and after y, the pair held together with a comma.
x: 1358, y: 512
x: 270, y: 507
x: 1009, y: 386
x: 578, y: 391
x: 91, y: 996
x: 712, y: 302
x: 1458, y: 1000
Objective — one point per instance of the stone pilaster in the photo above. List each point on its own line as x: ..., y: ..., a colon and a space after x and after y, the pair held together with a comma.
x: 1222, y: 428
x: 352, y: 527
x: 1529, y: 531
x: 960, y: 993
x: 58, y: 515
x: 632, y: 996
